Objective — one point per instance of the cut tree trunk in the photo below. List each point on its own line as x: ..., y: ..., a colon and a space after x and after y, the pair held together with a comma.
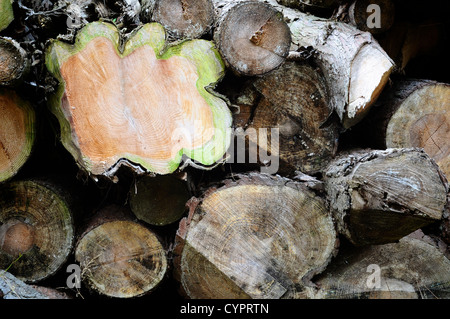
x: 378, y: 197
x: 17, y: 133
x: 119, y: 257
x: 251, y: 36
x: 6, y: 13
x: 36, y: 229
x: 14, y: 63
x: 293, y: 101
x: 184, y: 19
x: 256, y: 237
x: 408, y: 269
x: 159, y: 200
x: 354, y: 64
x: 136, y: 104
x: 414, y: 113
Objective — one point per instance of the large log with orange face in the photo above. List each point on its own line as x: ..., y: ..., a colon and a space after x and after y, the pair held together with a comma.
x: 139, y: 103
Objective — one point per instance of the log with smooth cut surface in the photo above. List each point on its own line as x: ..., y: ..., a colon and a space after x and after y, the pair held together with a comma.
x: 257, y: 237
x: 36, y: 229
x: 119, y: 257
x: 137, y: 102
x: 17, y: 133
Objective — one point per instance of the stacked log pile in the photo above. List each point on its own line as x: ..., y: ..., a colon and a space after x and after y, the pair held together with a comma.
x: 224, y: 149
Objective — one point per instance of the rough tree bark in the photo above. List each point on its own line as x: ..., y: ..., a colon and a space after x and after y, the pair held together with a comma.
x: 256, y: 237
x: 378, y: 197
x: 293, y: 100
x: 413, y: 113
x: 36, y: 229
x: 251, y: 36
x: 159, y: 200
x: 14, y: 63
x: 119, y: 257
x: 409, y: 269
x: 184, y: 19
x: 104, y: 87
x: 354, y: 64
x: 17, y: 133
x: 6, y: 13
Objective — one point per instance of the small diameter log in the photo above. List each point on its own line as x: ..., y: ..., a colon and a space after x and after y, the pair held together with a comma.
x: 415, y: 113
x: 354, y: 64
x: 378, y: 197
x: 17, y: 133
x: 159, y: 200
x: 14, y: 62
x: 119, y: 257
x: 409, y: 269
x: 374, y: 16
x: 6, y: 13
x: 142, y: 104
x: 184, y: 19
x: 36, y: 229
x: 290, y: 106
x: 251, y: 36
x: 257, y: 237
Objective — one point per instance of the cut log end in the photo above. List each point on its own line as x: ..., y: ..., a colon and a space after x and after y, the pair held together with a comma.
x: 374, y: 16
x: 185, y: 19
x: 253, y: 38
x: 17, y: 133
x: 36, y: 230
x: 378, y: 197
x: 13, y: 62
x: 121, y: 258
x: 242, y: 240
x: 142, y: 89
x: 159, y: 200
x: 422, y: 120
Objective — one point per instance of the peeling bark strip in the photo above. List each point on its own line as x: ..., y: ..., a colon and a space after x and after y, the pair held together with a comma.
x: 119, y: 257
x: 159, y: 200
x: 140, y: 102
x: 352, y: 61
x: 304, y: 4
x: 36, y: 229
x: 416, y: 113
x: 409, y: 269
x: 251, y: 36
x: 256, y: 237
x: 17, y: 133
x: 14, y: 62
x: 6, y: 13
x: 185, y: 19
x: 379, y: 197
x: 294, y: 100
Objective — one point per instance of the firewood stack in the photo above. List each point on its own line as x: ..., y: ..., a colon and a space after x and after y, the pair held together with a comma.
x: 224, y: 149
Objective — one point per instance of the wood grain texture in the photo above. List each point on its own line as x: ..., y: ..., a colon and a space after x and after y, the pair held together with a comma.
x: 381, y: 196
x: 257, y: 237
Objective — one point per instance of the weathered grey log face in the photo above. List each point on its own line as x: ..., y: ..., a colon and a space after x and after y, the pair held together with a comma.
x: 258, y: 237
x: 253, y: 38
x: 409, y: 269
x: 380, y: 196
x: 14, y: 62
x: 185, y: 18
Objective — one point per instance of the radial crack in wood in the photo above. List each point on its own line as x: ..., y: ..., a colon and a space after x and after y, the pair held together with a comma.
x: 408, y: 269
x: 143, y: 102
x: 257, y: 236
x: 378, y: 197
x: 119, y: 257
x: 36, y: 229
